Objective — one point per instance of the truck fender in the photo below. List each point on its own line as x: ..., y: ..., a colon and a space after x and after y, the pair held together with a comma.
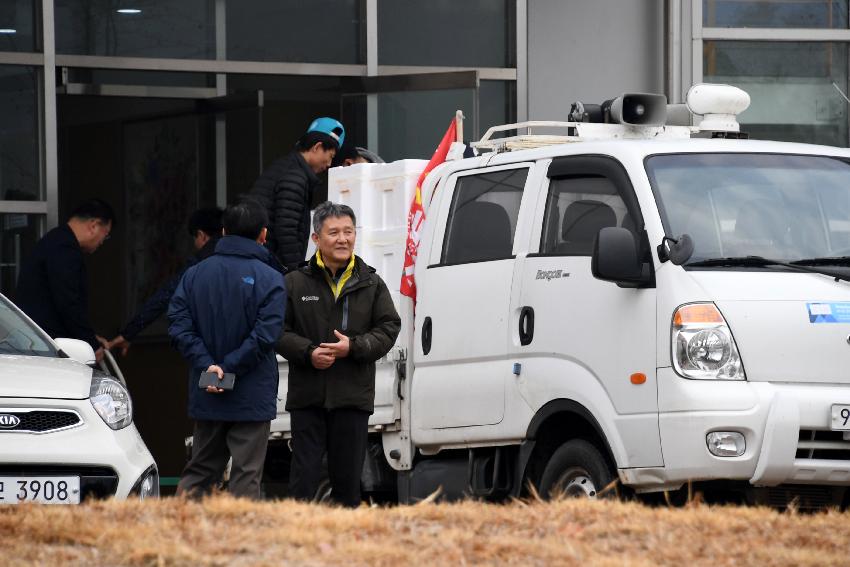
x: 552, y: 408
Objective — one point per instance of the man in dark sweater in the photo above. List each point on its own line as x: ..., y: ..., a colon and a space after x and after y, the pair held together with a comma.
x: 53, y: 287
x: 285, y: 189
x: 205, y: 229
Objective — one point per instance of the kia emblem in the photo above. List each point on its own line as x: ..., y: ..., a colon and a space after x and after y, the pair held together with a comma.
x: 8, y: 421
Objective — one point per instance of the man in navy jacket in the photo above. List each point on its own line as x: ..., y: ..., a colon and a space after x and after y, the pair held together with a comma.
x: 225, y: 317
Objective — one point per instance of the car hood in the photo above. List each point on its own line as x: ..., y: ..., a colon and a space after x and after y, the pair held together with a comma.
x: 789, y: 327
x: 40, y: 377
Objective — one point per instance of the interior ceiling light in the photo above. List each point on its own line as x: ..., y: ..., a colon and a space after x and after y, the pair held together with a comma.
x: 8, y: 31
x: 128, y: 11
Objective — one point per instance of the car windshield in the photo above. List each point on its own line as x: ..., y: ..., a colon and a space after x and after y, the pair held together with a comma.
x: 18, y: 336
x: 778, y: 206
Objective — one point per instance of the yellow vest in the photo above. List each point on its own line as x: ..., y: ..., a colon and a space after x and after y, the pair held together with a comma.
x: 337, y: 286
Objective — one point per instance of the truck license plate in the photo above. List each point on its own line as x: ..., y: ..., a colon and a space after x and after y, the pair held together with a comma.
x: 44, y: 489
x: 840, y: 417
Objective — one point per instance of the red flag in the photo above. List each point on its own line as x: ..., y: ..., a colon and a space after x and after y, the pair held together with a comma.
x: 416, y: 216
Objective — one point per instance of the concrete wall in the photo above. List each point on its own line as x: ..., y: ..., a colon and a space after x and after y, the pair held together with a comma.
x: 592, y: 50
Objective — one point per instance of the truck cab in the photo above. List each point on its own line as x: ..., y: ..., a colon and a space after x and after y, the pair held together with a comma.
x: 634, y: 301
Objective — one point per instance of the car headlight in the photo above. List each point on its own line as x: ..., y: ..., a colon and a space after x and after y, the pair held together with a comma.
x: 112, y: 401
x: 148, y: 485
x: 703, y: 346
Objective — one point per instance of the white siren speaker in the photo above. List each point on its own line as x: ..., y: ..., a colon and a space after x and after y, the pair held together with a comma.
x: 639, y: 109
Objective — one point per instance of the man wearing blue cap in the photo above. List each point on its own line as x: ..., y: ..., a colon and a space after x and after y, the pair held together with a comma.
x: 285, y: 189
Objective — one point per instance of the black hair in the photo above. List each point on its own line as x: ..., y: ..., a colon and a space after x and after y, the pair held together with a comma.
x: 247, y: 217
x: 310, y: 139
x: 207, y: 220
x: 330, y: 209
x: 347, y: 151
x: 94, y: 208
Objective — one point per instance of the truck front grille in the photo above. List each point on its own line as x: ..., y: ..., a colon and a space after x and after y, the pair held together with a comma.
x: 820, y: 444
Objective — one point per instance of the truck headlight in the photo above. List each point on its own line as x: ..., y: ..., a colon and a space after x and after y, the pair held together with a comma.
x: 112, y: 401
x: 703, y: 346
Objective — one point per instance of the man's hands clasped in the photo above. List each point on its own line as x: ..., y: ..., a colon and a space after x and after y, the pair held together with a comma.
x: 326, y: 354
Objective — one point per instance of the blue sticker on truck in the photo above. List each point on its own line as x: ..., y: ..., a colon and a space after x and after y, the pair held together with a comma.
x: 829, y: 312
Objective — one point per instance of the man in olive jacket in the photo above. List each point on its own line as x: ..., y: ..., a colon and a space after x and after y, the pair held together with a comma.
x: 340, y: 319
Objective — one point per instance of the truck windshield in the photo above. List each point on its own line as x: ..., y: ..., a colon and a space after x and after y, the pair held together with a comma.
x: 17, y: 336
x: 792, y: 208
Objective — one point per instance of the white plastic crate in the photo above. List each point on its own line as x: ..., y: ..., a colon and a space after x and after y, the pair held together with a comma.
x: 379, y: 193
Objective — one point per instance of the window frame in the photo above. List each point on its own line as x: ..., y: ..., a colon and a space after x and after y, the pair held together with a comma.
x: 591, y: 165
x: 445, y: 213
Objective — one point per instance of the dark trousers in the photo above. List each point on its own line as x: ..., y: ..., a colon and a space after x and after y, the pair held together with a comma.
x: 214, y: 442
x: 343, y: 433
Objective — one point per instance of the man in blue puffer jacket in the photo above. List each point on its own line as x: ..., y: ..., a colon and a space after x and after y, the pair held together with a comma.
x: 225, y: 317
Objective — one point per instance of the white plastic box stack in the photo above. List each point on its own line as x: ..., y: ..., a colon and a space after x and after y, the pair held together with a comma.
x: 380, y: 195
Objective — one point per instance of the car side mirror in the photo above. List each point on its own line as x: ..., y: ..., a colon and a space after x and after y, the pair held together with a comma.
x: 81, y: 351
x: 615, y: 259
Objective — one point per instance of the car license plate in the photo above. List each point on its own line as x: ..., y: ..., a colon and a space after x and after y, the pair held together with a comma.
x: 840, y: 417
x: 44, y: 489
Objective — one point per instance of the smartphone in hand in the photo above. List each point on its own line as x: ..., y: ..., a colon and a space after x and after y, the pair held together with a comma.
x: 211, y: 379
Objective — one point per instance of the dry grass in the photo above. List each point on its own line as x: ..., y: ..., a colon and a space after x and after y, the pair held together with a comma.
x: 224, y: 531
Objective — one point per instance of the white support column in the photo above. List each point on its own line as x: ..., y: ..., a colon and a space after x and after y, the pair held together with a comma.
x: 521, y: 60
x: 221, y: 118
x: 696, y: 43
x: 372, y: 123
x: 50, y: 160
x: 674, y: 51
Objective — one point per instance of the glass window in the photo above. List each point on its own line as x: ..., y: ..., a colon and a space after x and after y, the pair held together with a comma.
x: 19, y: 134
x: 782, y: 207
x: 577, y: 208
x: 17, y: 336
x: 483, y: 216
x: 775, y: 13
x: 318, y: 31
x: 136, y: 28
x: 19, y: 234
x: 412, y: 123
x: 792, y: 86
x: 17, y: 31
x: 472, y: 33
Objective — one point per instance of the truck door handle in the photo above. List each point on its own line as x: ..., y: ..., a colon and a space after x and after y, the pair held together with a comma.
x: 426, y: 335
x: 526, y: 325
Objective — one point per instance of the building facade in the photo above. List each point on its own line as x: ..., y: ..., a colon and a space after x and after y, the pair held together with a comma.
x: 162, y: 106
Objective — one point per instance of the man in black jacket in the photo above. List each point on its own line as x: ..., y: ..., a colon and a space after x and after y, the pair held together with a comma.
x: 53, y: 287
x: 285, y: 189
x: 340, y: 319
x: 205, y: 229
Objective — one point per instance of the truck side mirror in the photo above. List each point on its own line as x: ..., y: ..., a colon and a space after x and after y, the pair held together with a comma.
x: 615, y: 259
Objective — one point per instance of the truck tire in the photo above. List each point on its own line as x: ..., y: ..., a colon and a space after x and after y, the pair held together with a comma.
x: 576, y: 469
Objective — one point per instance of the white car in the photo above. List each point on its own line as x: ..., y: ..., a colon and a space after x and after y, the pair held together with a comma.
x: 66, y: 429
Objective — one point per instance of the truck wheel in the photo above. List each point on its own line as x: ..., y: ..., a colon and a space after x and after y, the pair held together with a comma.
x: 575, y: 470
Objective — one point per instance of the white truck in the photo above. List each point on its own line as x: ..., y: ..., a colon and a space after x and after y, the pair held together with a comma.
x: 659, y: 304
